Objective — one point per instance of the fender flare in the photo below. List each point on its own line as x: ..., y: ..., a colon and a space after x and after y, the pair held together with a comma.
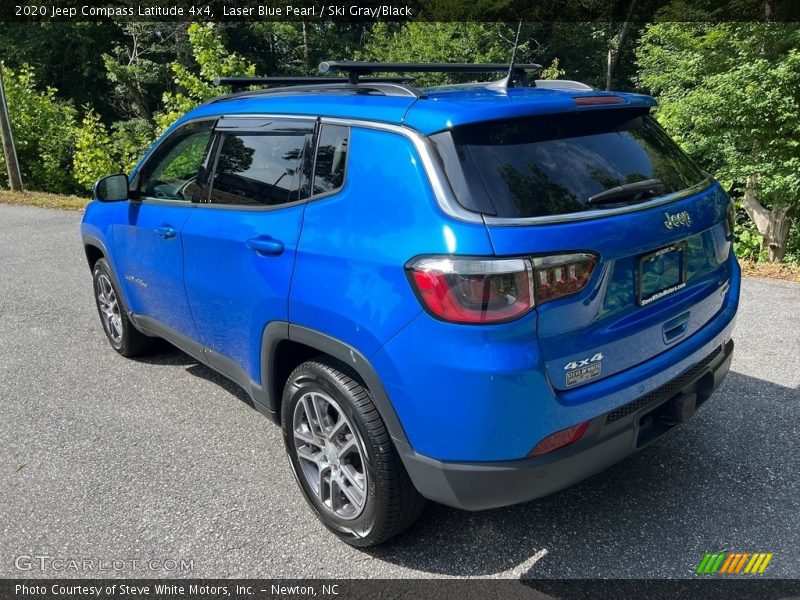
x: 277, y: 332
x: 90, y: 240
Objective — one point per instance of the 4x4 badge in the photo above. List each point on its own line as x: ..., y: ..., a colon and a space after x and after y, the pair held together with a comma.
x: 681, y: 219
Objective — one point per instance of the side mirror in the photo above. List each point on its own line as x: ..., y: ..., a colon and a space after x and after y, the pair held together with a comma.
x: 111, y: 188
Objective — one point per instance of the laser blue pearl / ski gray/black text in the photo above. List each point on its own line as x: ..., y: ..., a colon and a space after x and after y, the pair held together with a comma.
x: 473, y: 294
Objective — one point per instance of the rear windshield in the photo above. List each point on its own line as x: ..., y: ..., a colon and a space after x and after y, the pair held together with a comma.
x: 554, y: 165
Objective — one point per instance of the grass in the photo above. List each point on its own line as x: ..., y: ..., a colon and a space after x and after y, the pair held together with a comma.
x: 43, y: 200
x: 783, y: 271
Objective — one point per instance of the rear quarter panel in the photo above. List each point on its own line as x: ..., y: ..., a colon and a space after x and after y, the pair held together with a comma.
x: 349, y: 280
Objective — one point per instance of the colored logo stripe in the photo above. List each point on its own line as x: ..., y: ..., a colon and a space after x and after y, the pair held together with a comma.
x: 734, y: 563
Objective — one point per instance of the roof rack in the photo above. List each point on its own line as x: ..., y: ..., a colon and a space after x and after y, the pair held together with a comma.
x: 238, y: 83
x: 360, y: 78
x: 354, y: 70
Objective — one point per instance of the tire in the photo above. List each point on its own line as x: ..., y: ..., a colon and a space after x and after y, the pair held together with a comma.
x: 352, y: 451
x: 121, y: 334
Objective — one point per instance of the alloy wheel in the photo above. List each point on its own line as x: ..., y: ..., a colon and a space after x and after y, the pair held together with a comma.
x: 331, y: 455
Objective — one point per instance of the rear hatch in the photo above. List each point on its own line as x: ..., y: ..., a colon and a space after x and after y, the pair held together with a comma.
x: 629, y: 237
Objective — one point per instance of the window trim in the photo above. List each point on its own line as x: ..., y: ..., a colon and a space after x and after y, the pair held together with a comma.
x: 134, y: 185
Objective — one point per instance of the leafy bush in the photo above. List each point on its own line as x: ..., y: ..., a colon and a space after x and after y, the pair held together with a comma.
x: 99, y: 153
x: 748, y: 243
x: 92, y: 159
x: 44, y: 132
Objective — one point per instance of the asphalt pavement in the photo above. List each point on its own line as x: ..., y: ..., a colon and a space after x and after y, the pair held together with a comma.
x: 163, y: 466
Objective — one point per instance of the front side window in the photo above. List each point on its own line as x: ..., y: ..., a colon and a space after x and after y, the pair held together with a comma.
x: 175, y: 171
x: 331, y: 158
x: 267, y: 168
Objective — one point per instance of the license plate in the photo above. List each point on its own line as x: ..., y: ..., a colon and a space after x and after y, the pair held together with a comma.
x: 661, y: 273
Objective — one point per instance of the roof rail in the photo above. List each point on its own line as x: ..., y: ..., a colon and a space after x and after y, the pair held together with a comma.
x: 356, y: 69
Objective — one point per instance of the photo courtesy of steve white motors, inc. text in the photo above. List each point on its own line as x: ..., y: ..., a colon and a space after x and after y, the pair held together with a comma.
x: 172, y: 589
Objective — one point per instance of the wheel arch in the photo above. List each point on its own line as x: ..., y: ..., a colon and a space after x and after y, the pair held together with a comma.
x: 95, y: 249
x: 285, y: 346
x: 93, y: 253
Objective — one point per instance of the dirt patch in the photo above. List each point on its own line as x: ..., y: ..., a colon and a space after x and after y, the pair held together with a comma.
x: 782, y: 271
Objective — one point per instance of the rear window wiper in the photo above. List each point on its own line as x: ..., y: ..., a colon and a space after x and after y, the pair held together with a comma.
x: 646, y: 188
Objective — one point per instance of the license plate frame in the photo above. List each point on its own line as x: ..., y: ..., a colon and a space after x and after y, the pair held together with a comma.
x: 657, y: 259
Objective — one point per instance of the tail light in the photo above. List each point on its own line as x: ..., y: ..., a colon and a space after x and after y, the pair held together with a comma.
x: 489, y: 290
x: 560, y: 275
x: 559, y: 439
x: 467, y: 290
x: 596, y: 100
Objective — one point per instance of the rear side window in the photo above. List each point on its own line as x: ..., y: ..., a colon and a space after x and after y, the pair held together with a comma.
x: 554, y: 165
x: 331, y: 160
x: 267, y: 168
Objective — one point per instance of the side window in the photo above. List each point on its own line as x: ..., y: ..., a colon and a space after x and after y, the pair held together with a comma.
x: 262, y: 169
x: 174, y: 172
x: 331, y: 158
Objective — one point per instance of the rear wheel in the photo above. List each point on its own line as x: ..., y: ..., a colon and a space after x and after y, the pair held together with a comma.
x: 343, y: 458
x: 121, y: 333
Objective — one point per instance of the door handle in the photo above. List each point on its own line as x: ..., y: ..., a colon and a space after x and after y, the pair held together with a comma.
x: 165, y: 231
x: 265, y: 245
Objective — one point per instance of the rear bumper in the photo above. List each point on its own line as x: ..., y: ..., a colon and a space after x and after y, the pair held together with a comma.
x: 609, y: 438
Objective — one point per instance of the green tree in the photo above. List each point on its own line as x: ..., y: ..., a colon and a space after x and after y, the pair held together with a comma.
x: 442, y: 42
x: 44, y: 132
x: 138, y: 65
x: 65, y: 56
x: 196, y: 85
x: 730, y: 93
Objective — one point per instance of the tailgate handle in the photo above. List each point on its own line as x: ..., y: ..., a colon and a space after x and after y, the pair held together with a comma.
x: 675, y: 328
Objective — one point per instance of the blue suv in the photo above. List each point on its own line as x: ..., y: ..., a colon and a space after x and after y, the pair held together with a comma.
x: 476, y: 294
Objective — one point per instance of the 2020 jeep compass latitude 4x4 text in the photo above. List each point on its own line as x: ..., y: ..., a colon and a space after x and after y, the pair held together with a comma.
x: 474, y: 294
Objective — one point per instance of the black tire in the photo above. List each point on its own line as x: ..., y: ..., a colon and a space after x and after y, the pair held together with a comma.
x: 123, y: 336
x: 392, y: 503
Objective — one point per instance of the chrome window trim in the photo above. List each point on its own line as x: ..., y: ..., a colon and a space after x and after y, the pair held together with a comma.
x: 599, y: 213
x: 441, y: 188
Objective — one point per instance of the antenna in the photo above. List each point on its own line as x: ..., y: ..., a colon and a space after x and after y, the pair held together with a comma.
x: 514, y: 52
x: 508, y: 80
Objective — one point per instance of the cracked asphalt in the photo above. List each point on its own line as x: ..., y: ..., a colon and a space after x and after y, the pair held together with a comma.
x: 104, y: 458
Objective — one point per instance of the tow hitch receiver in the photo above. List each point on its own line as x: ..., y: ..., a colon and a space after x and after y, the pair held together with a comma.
x: 664, y: 417
x: 683, y: 407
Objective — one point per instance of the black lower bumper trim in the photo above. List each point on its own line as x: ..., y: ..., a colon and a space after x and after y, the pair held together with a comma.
x: 481, y: 486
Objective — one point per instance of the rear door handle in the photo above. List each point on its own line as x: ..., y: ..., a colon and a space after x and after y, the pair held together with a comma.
x: 165, y: 231
x: 265, y: 245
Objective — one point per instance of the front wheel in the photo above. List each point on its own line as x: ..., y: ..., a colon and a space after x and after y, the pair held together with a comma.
x: 121, y: 333
x: 343, y: 458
